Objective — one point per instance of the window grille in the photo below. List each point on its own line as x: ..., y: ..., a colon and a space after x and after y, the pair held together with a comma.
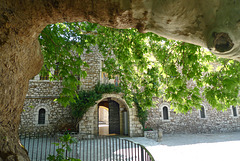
x: 44, y: 77
x: 41, y: 116
x: 202, y: 112
x: 234, y: 109
x: 165, y: 113
x: 57, y: 71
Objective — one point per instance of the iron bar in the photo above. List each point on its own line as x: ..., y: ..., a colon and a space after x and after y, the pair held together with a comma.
x: 83, y: 148
x: 80, y: 145
x: 37, y: 146
x: 32, y: 149
x: 46, y: 147
x: 119, y: 151
x: 103, y: 148
x: 76, y: 154
x: 107, y: 147
x: 138, y: 153
x: 41, y: 148
x: 54, y: 138
x: 112, y: 145
x: 90, y: 149
x: 93, y: 148
x: 100, y: 149
x: 87, y: 149
x: 97, y: 146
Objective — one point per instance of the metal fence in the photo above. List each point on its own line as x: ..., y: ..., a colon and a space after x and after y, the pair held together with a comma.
x: 86, y: 148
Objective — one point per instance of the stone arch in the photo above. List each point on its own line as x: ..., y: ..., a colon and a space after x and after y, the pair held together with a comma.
x: 89, y: 123
x: 36, y: 115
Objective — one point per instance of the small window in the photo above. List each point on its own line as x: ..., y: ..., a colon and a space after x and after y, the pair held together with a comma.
x: 234, y: 110
x: 41, y: 116
x: 46, y: 77
x: 202, y: 112
x: 116, y: 81
x: 57, y: 71
x: 44, y: 74
x: 165, y: 113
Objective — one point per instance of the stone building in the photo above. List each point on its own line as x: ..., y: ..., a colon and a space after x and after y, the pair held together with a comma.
x: 206, y: 120
x: 42, y: 114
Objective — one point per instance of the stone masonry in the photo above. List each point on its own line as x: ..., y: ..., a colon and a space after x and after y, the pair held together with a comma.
x: 42, y: 93
x: 191, y: 122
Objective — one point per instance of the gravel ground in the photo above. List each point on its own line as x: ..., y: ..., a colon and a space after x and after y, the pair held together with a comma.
x: 194, y: 147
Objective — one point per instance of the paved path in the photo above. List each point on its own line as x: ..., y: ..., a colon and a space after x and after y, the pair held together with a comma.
x: 194, y: 147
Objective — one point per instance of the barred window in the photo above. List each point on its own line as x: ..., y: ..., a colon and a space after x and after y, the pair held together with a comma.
x: 165, y: 113
x: 46, y: 77
x: 202, y: 112
x: 41, y: 116
x: 44, y: 74
x: 234, y: 110
x: 57, y: 71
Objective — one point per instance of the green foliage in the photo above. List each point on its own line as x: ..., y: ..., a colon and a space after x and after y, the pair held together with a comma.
x: 147, y: 65
x: 86, y: 99
x: 141, y: 113
x: 63, y: 148
x: 106, y: 88
x: 83, y: 102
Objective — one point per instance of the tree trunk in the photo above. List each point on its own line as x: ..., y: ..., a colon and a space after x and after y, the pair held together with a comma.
x: 20, y: 57
x: 20, y: 60
x: 18, y: 63
x: 213, y: 24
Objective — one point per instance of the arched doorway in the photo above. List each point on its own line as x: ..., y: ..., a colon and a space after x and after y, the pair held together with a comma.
x: 113, y: 117
x: 129, y: 122
x: 108, y: 117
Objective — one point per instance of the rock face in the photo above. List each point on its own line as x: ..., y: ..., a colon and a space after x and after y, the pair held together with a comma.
x: 212, y: 24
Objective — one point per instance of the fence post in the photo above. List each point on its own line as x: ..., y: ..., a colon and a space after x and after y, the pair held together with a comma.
x: 142, y: 155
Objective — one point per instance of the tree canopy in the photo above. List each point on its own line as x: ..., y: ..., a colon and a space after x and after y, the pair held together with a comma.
x: 148, y: 66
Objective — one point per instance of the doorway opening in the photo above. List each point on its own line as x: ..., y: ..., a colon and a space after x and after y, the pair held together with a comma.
x: 111, y: 118
x: 103, y: 118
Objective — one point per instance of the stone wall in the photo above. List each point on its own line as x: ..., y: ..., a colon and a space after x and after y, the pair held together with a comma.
x: 94, y: 60
x: 41, y: 95
x: 191, y: 122
x: 155, y: 135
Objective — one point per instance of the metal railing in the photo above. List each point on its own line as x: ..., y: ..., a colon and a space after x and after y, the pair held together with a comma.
x: 86, y: 148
